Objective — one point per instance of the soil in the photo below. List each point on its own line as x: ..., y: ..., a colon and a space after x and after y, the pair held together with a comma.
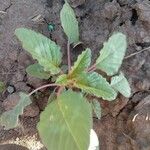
x: 125, y: 123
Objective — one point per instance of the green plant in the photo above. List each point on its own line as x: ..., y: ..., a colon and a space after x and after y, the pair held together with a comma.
x: 67, y: 120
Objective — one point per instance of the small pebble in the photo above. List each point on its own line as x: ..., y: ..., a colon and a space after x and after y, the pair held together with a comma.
x: 51, y: 27
x: 10, y: 89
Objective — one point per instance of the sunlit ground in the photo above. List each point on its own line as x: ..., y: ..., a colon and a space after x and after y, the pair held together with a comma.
x: 30, y: 142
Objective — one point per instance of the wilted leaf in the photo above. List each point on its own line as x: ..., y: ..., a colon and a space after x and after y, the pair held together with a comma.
x: 112, y: 54
x: 96, y: 108
x: 82, y: 63
x: 9, y: 119
x: 41, y: 48
x: 95, y: 84
x: 37, y: 71
x: 2, y: 87
x: 120, y: 84
x: 69, y: 23
x: 66, y: 122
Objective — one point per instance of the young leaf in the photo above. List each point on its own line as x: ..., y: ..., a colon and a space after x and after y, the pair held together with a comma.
x: 2, y: 87
x: 95, y: 84
x: 82, y: 63
x: 66, y: 122
x: 112, y: 54
x: 37, y: 71
x: 96, y: 108
x: 62, y: 79
x: 120, y: 84
x: 41, y: 48
x: 9, y: 119
x: 69, y: 23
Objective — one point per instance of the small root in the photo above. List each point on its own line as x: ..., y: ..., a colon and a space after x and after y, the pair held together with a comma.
x: 133, y: 54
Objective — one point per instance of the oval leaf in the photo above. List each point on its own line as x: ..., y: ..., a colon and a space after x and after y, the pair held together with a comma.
x: 82, y: 63
x: 112, y: 54
x: 95, y: 84
x: 9, y: 119
x: 69, y: 23
x: 37, y: 71
x: 41, y: 48
x: 66, y: 122
x: 120, y: 84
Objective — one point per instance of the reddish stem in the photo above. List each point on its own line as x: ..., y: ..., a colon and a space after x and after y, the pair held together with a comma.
x: 92, y: 68
x: 59, y: 90
x: 42, y: 87
x: 68, y: 54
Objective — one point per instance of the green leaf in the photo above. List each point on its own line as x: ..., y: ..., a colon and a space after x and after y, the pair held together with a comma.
x: 96, y: 108
x: 112, y: 54
x: 82, y: 63
x: 41, y: 48
x: 66, y: 122
x: 95, y: 84
x: 69, y: 23
x: 9, y: 119
x: 2, y: 86
x: 62, y: 79
x: 37, y: 71
x: 120, y: 84
x: 52, y: 97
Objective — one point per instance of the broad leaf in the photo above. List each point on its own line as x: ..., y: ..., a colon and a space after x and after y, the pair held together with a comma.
x: 82, y: 63
x: 96, y: 108
x: 120, y: 84
x: 95, y: 84
x: 37, y: 71
x: 66, y: 122
x: 41, y: 48
x: 9, y: 119
x: 2, y: 87
x: 112, y: 54
x: 69, y: 23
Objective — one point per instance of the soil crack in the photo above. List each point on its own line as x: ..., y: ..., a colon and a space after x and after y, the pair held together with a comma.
x: 131, y: 103
x: 5, y: 10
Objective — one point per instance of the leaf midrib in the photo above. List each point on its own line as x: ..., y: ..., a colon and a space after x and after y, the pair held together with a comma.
x: 63, y: 115
x: 102, y: 60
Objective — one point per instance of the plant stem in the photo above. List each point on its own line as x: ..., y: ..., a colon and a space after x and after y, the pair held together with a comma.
x: 42, y: 87
x: 59, y: 90
x: 68, y: 54
x: 92, y: 68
